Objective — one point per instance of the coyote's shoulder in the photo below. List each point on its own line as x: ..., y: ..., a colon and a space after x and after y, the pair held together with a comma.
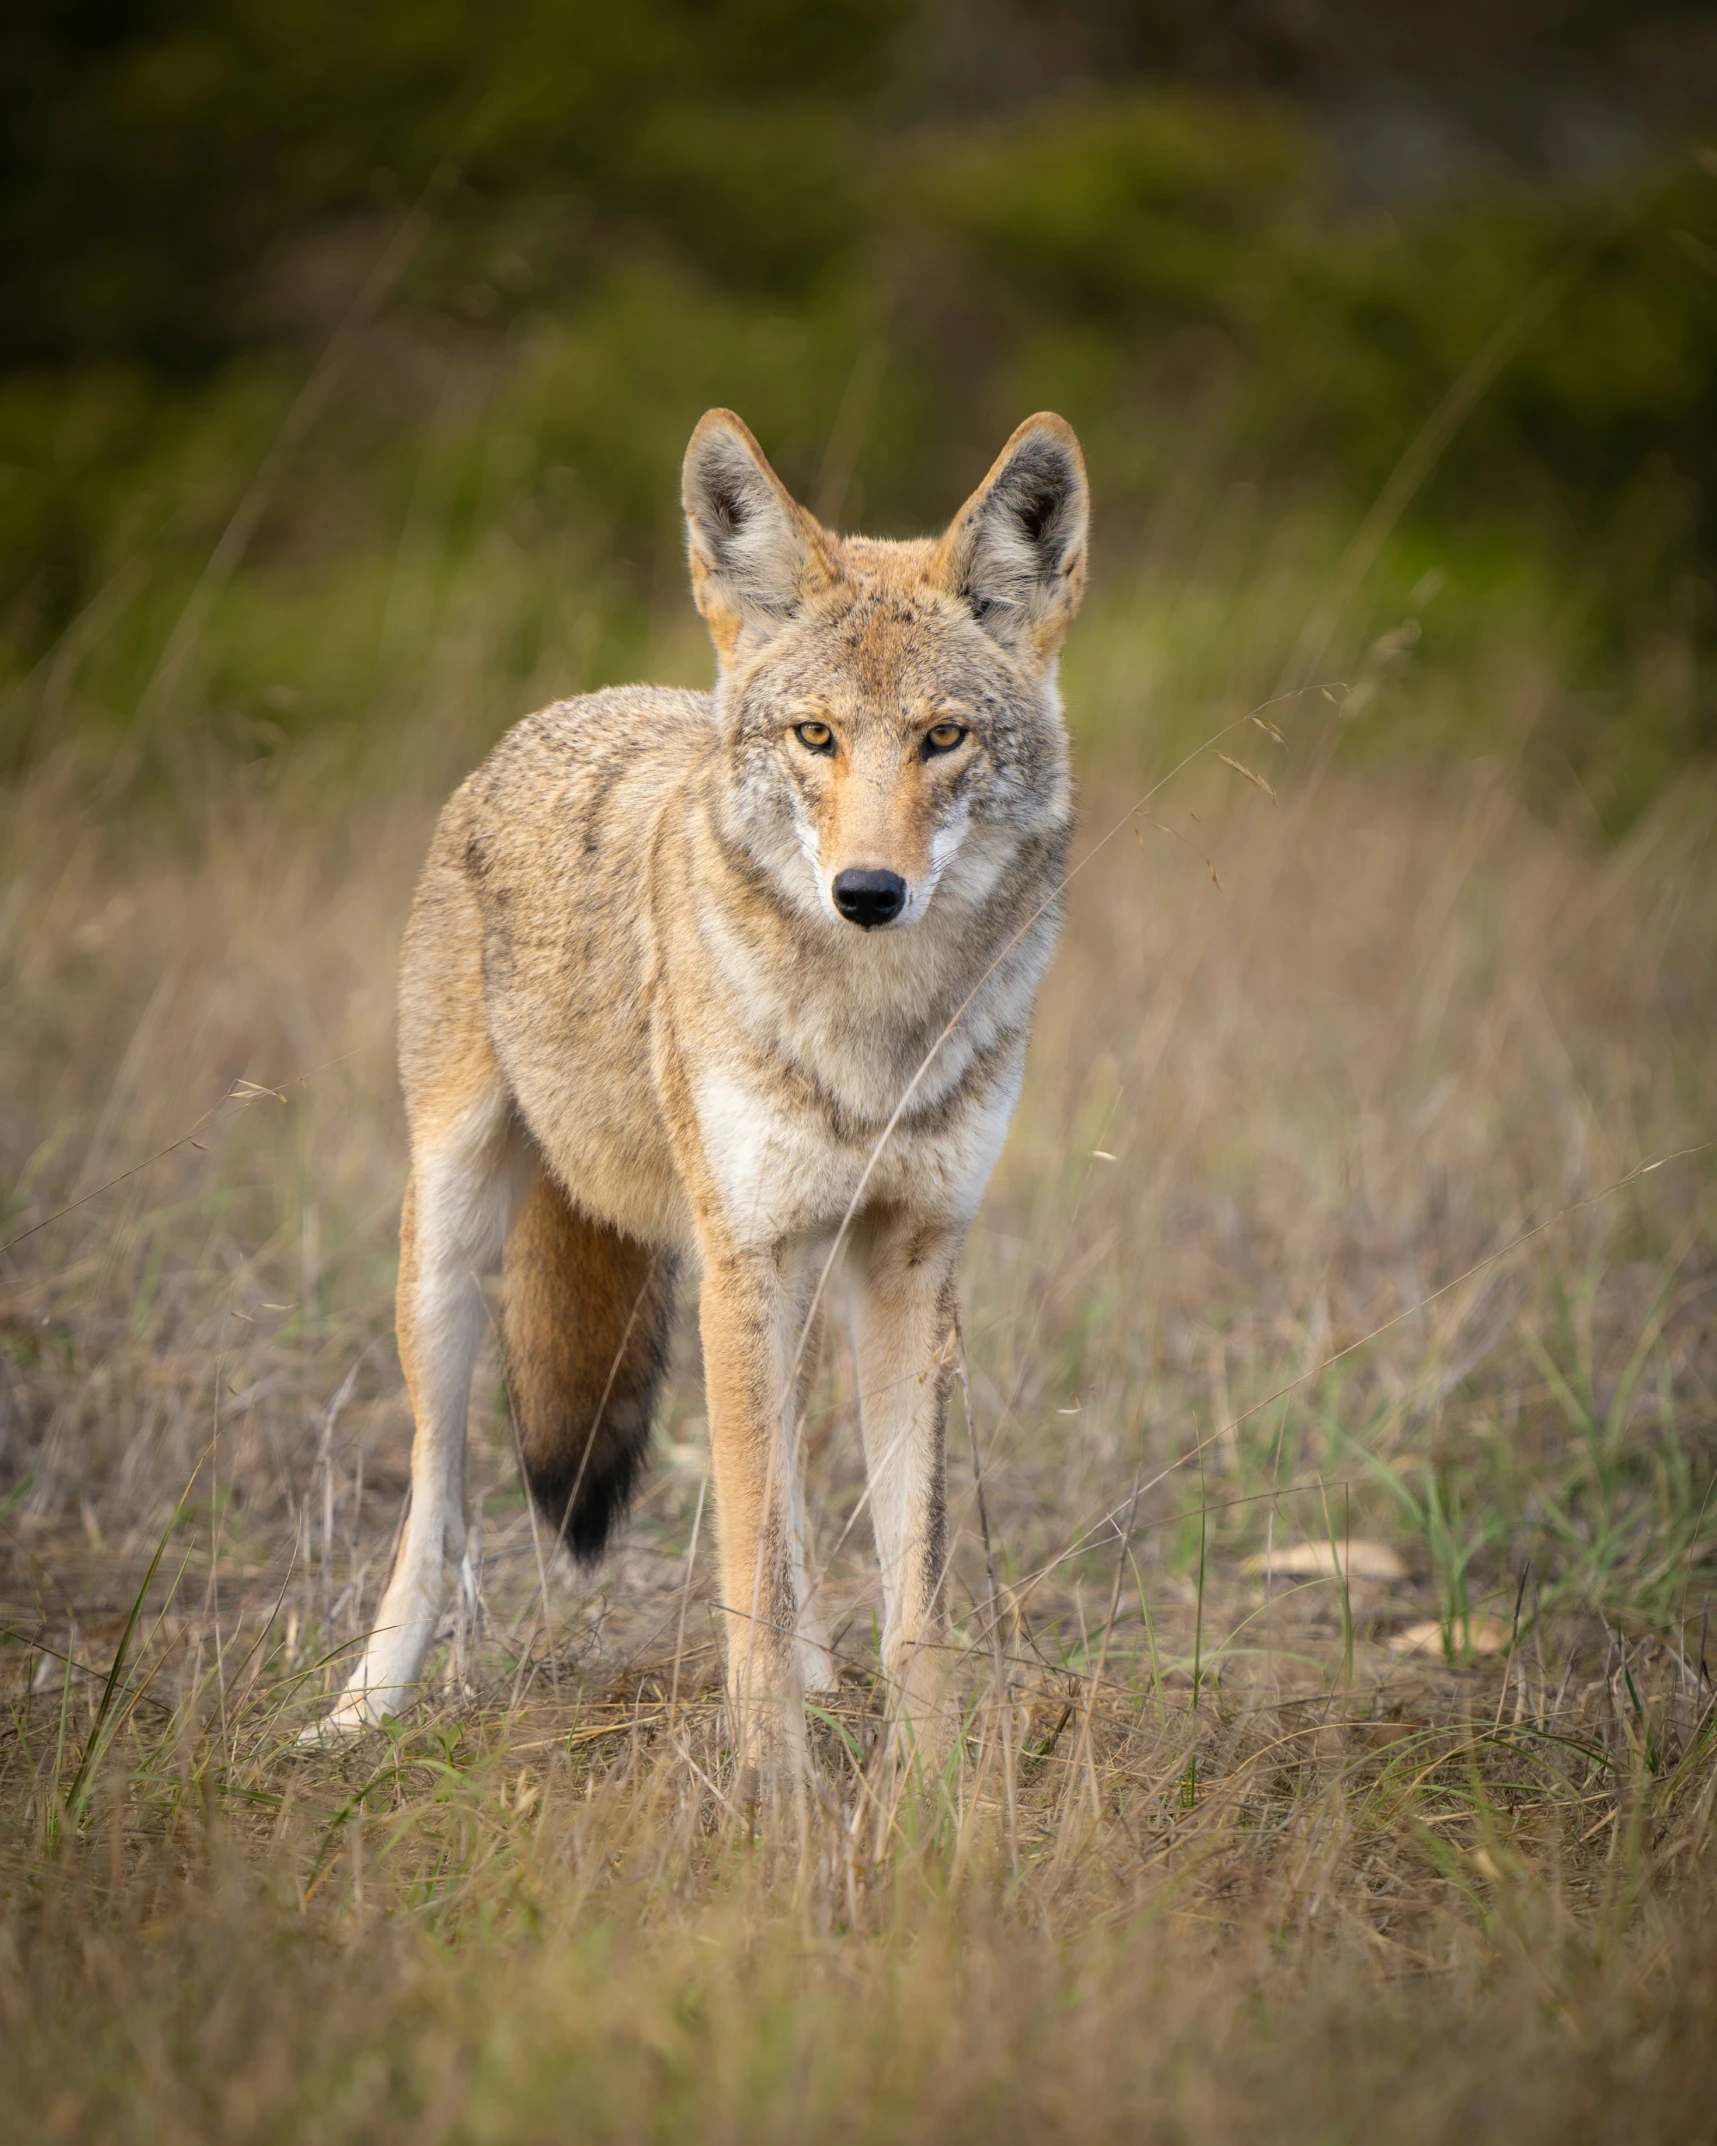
x: 742, y: 980
x: 531, y: 928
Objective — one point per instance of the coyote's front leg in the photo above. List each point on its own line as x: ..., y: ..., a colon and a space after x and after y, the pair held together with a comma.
x: 903, y: 1316
x: 758, y: 1355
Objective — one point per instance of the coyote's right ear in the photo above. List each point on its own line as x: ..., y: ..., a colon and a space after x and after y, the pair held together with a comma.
x: 756, y: 554
x: 1015, y: 552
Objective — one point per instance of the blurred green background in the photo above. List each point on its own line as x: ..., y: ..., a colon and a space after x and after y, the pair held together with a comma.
x: 347, y: 356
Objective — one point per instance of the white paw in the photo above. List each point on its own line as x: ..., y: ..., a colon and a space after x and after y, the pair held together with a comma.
x: 367, y: 1700
x: 817, y: 1670
x: 350, y: 1718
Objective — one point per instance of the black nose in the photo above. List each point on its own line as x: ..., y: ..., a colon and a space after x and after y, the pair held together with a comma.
x: 870, y: 898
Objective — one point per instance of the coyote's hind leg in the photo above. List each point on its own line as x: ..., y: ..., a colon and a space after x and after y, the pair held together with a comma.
x: 466, y: 1177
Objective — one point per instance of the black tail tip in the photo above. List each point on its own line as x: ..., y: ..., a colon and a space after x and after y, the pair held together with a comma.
x: 583, y: 1504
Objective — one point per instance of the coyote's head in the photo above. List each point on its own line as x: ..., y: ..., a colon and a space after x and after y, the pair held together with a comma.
x: 889, y: 710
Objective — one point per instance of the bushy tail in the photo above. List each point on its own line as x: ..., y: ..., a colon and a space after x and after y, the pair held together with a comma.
x: 586, y: 1328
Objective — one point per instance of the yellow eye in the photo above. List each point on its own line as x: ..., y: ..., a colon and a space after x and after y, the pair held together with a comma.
x: 943, y: 737
x: 815, y: 737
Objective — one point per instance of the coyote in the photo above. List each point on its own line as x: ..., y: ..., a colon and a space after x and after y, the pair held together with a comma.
x: 740, y: 981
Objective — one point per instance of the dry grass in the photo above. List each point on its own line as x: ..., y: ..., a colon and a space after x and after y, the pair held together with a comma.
x: 1217, y: 1858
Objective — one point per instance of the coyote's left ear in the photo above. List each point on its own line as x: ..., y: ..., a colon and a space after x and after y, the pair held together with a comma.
x: 1015, y: 552
x: 756, y: 554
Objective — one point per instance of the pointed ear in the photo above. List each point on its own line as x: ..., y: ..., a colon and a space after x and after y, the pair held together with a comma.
x: 756, y: 554
x: 1015, y: 552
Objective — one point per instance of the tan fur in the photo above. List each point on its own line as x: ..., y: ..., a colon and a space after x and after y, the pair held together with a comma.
x: 637, y: 1027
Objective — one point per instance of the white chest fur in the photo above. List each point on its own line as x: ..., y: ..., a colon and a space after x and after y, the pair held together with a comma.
x: 783, y: 1174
